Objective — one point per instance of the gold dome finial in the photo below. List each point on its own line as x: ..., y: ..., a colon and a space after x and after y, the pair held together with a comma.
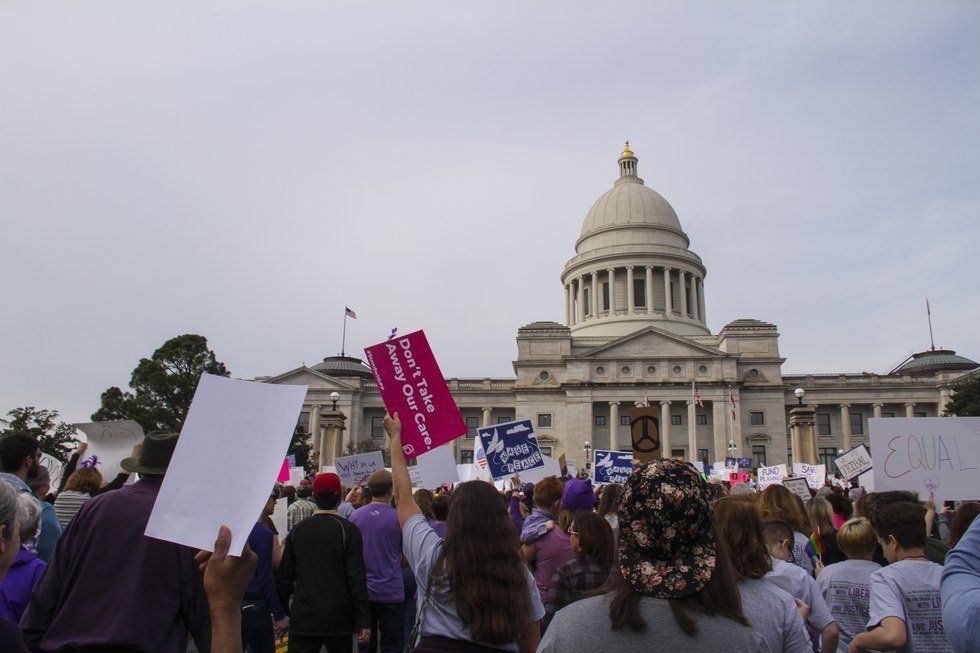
x: 627, y: 152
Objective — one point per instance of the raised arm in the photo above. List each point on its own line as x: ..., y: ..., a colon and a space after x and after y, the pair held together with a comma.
x: 404, y: 501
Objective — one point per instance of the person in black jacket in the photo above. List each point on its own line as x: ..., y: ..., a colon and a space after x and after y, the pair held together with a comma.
x: 322, y: 569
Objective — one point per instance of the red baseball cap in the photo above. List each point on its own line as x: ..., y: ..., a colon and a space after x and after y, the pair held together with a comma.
x: 326, y: 485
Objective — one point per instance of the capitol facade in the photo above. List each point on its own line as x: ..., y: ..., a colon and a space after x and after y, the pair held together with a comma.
x: 635, y: 330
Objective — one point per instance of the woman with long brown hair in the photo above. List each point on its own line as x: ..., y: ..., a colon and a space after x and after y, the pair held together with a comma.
x: 595, y: 551
x: 776, y: 503
x: 674, y: 590
x: 771, y: 610
x: 821, y: 516
x: 475, y: 594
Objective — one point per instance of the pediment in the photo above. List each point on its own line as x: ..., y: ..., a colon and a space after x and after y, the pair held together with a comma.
x: 306, y: 376
x: 651, y: 342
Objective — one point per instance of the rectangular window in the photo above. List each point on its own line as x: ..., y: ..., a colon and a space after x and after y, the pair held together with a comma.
x: 675, y: 420
x: 304, y: 420
x: 605, y: 295
x: 677, y: 454
x: 759, y: 455
x: 600, y: 420
x: 466, y: 456
x: 377, y: 427
x: 545, y: 451
x: 503, y: 419
x: 640, y: 293
x: 703, y: 457
x: 624, y: 420
x: 472, y: 424
x: 917, y: 414
x: 702, y: 420
x: 823, y: 423
x: 544, y: 420
x: 827, y: 455
x: 757, y: 418
x: 888, y: 414
x: 587, y: 297
x: 857, y: 424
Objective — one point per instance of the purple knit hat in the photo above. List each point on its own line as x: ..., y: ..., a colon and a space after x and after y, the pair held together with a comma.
x: 578, y: 495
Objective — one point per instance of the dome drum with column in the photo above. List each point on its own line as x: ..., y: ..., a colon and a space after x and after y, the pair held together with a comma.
x: 633, y: 266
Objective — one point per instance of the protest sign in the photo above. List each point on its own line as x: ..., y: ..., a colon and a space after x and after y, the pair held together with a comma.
x: 738, y: 477
x: 611, y: 466
x: 645, y: 432
x: 411, y: 385
x: 549, y: 467
x: 510, y: 448
x: 357, y: 468
x: 815, y: 475
x: 296, y: 476
x: 329, y: 469
x: 247, y: 426
x: 927, y: 454
x: 798, y: 486
x: 719, y: 470
x: 738, y: 463
x: 278, y: 517
x: 572, y: 470
x: 437, y: 467
x: 415, y: 476
x: 772, y: 475
x: 283, y: 471
x: 54, y: 467
x: 110, y: 442
x: 854, y: 462
x: 698, y: 465
x: 867, y: 480
x: 292, y: 459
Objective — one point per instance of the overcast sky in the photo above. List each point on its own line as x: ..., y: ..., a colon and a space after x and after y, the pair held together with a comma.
x: 243, y: 170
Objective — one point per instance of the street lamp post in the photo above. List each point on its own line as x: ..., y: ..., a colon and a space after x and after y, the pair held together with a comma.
x: 587, y: 448
x: 334, y: 397
x: 800, y: 393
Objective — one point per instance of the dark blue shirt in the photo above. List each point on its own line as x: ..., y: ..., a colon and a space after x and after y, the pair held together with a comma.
x: 261, y: 540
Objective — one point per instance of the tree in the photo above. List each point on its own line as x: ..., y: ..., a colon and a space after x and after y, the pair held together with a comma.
x: 300, y: 447
x: 54, y: 437
x: 163, y: 385
x: 966, y: 399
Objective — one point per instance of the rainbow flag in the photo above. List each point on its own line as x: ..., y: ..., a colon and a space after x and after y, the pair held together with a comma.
x: 815, y: 545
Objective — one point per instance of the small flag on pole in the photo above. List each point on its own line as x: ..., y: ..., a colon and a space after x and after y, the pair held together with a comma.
x: 350, y: 313
x: 481, y: 458
x: 646, y: 398
x: 815, y: 543
x: 731, y: 397
x: 696, y: 394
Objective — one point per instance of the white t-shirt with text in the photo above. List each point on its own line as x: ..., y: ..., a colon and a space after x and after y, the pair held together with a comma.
x: 909, y: 590
x: 846, y: 586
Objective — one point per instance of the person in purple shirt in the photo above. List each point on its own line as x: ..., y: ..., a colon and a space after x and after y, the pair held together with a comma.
x: 261, y: 598
x: 109, y: 587
x: 378, y: 523
x: 16, y: 586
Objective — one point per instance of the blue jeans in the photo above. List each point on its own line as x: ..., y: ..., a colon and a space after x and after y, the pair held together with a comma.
x: 388, y: 625
x: 257, y: 631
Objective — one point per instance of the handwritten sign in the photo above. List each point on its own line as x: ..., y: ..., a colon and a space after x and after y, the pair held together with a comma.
x: 510, y: 447
x: 815, y: 475
x: 738, y: 463
x: 110, y: 442
x: 927, y: 454
x: 612, y: 466
x: 772, y: 475
x: 357, y: 468
x: 296, y: 476
x: 798, y: 486
x: 853, y: 463
x: 54, y: 467
x: 411, y: 385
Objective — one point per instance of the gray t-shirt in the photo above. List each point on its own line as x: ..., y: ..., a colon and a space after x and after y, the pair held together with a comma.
x: 801, y: 554
x: 584, y: 627
x: 846, y: 586
x: 422, y: 547
x: 801, y: 586
x: 773, y: 614
x: 909, y: 590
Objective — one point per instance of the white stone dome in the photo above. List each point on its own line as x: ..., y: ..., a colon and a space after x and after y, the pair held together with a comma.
x: 627, y: 204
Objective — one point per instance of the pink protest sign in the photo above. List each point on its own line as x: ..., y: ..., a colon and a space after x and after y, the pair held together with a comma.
x: 412, y: 386
x: 739, y: 477
x: 283, y: 471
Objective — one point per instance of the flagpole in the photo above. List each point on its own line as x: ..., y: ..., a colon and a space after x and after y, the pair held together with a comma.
x: 343, y: 339
x: 932, y: 341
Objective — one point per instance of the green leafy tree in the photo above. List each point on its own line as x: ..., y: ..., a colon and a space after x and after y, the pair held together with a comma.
x: 56, y: 438
x: 966, y: 399
x: 300, y: 447
x: 162, y: 385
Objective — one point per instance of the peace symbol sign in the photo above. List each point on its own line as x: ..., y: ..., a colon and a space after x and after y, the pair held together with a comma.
x: 646, y: 435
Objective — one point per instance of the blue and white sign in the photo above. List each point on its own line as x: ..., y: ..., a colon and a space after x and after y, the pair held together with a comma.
x: 612, y: 466
x: 510, y: 448
x: 738, y: 463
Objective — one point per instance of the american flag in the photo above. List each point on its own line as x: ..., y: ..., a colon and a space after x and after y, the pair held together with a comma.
x: 349, y: 313
x: 481, y: 458
x: 731, y: 397
x: 696, y: 394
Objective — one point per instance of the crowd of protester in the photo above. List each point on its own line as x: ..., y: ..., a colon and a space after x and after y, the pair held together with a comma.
x: 669, y: 559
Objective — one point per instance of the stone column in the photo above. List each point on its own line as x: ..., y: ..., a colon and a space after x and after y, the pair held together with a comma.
x: 695, y: 304
x: 332, y: 422
x: 614, y: 425
x: 486, y: 416
x: 719, y: 418
x: 910, y: 409
x: 568, y: 304
x: 648, y: 287
x: 667, y: 302
x: 595, y: 294
x: 665, y: 428
x: 845, y: 429
x: 704, y: 318
x: 630, y: 300
x: 580, y: 299
x: 682, y: 289
x: 612, y: 291
x: 877, y: 409
x: 801, y: 424
x: 945, y: 398
x: 692, y: 428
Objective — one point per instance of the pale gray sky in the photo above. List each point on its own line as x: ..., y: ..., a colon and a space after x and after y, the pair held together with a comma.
x: 243, y: 170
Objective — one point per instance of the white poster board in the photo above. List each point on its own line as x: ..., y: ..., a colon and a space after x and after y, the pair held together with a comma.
x: 927, y: 454
x: 55, y: 469
x: 550, y: 468
x: 279, y: 517
x: 246, y: 426
x: 815, y: 475
x: 854, y: 462
x: 772, y: 475
x: 718, y: 470
x: 867, y: 480
x: 359, y: 467
x: 296, y: 476
x: 436, y: 467
x: 798, y: 486
x: 110, y: 442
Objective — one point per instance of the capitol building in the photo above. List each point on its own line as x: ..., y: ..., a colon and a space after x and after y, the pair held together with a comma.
x: 635, y: 329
